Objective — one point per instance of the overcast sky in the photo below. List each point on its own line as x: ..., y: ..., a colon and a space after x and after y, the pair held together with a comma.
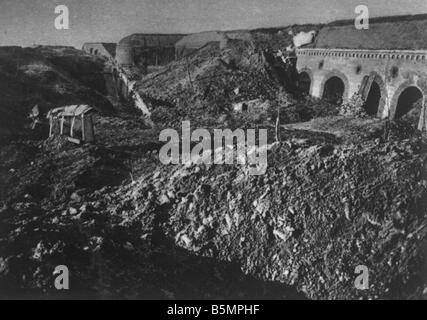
x: 28, y: 22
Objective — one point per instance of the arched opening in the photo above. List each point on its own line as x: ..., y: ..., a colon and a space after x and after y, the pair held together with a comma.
x: 373, y: 99
x: 410, y: 98
x: 304, y: 83
x: 334, y: 90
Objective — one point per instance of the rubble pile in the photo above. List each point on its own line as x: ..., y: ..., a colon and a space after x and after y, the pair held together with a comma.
x: 207, y: 83
x: 320, y: 211
x: 354, y: 107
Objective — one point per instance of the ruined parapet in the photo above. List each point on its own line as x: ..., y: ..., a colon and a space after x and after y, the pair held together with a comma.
x: 255, y: 106
x: 105, y: 50
x: 124, y: 54
x: 195, y: 41
x: 128, y: 87
x: 145, y: 50
x: 304, y: 38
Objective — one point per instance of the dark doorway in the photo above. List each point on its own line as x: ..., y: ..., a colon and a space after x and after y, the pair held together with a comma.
x: 373, y: 100
x: 408, y: 99
x: 334, y: 90
x: 304, y: 83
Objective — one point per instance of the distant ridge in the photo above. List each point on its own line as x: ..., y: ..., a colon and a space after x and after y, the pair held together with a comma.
x: 382, y: 19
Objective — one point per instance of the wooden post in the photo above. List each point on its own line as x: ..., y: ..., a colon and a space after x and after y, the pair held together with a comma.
x: 72, y: 127
x: 83, y: 127
x: 277, y: 129
x: 50, y: 126
x: 422, y: 122
x: 62, y: 125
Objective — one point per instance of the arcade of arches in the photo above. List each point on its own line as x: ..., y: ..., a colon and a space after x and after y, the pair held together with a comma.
x: 334, y: 88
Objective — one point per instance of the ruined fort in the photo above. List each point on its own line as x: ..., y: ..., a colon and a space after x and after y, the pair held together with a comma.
x: 151, y: 50
x: 386, y: 64
x: 273, y: 163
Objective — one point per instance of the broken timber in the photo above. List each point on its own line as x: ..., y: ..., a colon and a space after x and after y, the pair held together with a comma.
x: 76, y: 118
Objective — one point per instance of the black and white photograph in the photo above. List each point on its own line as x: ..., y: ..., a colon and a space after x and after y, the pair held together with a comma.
x: 213, y: 155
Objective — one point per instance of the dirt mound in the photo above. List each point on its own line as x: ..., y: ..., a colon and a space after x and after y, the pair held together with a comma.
x: 208, y: 82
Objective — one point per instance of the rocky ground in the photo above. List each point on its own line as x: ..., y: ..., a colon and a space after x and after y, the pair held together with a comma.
x: 339, y: 192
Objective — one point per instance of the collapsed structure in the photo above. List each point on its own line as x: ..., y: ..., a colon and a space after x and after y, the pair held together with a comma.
x: 74, y: 121
x: 102, y: 49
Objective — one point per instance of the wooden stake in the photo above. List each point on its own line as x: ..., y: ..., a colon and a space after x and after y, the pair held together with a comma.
x: 50, y: 126
x: 62, y: 125
x: 72, y: 127
x: 83, y: 127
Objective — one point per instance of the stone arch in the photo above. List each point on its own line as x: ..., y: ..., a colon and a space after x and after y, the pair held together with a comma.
x: 342, y: 77
x: 372, y: 101
x: 407, y: 100
x: 407, y: 94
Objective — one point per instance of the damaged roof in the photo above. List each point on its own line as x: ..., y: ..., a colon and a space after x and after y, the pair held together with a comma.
x: 70, y: 111
x: 150, y: 40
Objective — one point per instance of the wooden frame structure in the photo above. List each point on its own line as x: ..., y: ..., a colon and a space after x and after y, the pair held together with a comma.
x: 77, y: 119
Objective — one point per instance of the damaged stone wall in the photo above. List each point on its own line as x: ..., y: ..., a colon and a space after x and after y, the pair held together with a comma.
x: 143, y: 50
x: 393, y: 70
